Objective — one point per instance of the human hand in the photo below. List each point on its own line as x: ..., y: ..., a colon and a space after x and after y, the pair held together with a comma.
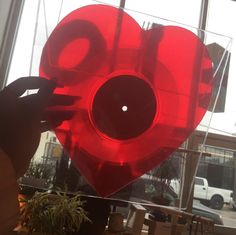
x: 23, y: 119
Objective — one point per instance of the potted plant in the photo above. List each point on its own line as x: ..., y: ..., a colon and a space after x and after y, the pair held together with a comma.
x: 53, y: 213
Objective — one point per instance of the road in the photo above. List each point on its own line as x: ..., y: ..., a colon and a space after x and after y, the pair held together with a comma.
x: 228, y: 215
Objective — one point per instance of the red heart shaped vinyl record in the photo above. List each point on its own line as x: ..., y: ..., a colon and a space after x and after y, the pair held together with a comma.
x: 142, y: 92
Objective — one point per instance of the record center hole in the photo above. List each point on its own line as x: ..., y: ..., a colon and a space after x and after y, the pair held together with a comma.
x: 124, y: 108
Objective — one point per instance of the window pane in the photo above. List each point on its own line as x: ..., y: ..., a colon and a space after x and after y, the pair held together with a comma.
x: 199, y: 181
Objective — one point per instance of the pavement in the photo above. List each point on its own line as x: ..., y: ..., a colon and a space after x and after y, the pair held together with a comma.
x: 228, y: 216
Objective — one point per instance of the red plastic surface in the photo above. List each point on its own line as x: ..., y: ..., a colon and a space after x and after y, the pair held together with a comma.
x: 142, y: 92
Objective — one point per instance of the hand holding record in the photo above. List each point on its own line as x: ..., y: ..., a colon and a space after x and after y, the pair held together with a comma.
x: 24, y: 118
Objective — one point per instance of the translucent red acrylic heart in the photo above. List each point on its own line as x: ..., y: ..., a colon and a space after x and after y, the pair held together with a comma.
x: 142, y: 92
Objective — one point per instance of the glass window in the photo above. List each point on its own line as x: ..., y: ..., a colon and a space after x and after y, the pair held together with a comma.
x: 38, y: 21
x: 202, y: 169
x: 50, y: 160
x: 228, y: 178
x: 39, y: 28
x: 25, y: 61
x: 199, y: 181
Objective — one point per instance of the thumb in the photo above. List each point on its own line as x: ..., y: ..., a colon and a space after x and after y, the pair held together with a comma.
x: 44, y: 95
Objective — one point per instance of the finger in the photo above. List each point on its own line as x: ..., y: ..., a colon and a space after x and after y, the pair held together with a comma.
x: 58, y: 100
x: 59, y: 115
x: 19, y: 86
x: 26, y: 107
x: 44, y: 94
x: 30, y: 105
x: 47, y: 126
x: 54, y: 119
x: 54, y: 101
x: 30, y: 108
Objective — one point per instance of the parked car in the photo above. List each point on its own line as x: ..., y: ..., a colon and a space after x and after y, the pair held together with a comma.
x: 212, y: 196
x: 232, y: 203
x: 216, y: 197
x: 146, y: 188
x: 204, y: 211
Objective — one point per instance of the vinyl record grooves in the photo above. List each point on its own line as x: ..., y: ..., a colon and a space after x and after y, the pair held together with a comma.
x: 141, y: 91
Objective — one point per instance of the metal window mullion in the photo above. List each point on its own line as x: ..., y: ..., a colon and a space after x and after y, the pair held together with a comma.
x: 9, y: 38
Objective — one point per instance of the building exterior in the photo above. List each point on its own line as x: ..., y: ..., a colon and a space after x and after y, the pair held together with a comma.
x: 218, y: 165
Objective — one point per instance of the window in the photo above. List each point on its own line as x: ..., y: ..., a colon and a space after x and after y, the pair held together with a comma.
x: 46, y: 14
x: 199, y: 181
x: 219, y: 155
x: 38, y: 20
x: 49, y: 12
